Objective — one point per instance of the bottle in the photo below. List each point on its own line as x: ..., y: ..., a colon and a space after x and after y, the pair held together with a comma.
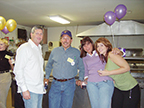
x: 46, y: 86
x: 83, y: 85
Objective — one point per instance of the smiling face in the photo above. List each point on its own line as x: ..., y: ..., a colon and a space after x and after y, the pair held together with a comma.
x: 2, y: 46
x: 88, y: 47
x: 37, y: 36
x: 66, y: 41
x: 101, y: 48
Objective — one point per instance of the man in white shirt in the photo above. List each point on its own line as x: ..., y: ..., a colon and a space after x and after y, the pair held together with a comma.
x: 28, y: 70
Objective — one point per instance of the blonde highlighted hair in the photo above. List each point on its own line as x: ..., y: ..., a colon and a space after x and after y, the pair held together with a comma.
x: 5, y: 41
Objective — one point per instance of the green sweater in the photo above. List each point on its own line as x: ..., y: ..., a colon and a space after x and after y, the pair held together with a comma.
x: 123, y: 81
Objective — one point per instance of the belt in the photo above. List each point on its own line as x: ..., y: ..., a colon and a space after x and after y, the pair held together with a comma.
x: 4, y: 71
x: 62, y: 80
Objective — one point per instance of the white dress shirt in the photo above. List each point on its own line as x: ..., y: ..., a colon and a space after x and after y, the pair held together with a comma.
x: 28, y: 68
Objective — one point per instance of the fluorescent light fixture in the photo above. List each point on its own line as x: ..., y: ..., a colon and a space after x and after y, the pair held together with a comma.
x: 59, y: 19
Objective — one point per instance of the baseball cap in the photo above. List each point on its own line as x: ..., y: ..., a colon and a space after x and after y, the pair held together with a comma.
x: 66, y: 32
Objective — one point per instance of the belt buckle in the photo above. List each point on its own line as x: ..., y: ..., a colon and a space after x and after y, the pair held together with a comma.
x: 63, y: 80
x: 6, y: 71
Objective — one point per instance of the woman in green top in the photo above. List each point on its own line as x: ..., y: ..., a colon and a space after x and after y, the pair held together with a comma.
x: 126, y: 92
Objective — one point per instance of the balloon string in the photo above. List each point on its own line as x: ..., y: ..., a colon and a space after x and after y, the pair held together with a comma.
x: 117, y: 41
x: 113, y: 36
x: 1, y: 34
x: 118, y: 32
x: 118, y: 25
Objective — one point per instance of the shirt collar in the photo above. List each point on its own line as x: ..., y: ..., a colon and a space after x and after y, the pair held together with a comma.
x: 33, y: 44
x: 66, y: 49
x: 92, y: 53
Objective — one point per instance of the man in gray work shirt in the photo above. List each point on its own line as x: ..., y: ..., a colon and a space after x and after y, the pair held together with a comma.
x: 65, y: 62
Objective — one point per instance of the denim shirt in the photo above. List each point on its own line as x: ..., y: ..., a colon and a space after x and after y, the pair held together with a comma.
x: 65, y: 63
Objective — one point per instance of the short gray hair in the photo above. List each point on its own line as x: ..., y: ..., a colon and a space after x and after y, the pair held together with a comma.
x: 35, y: 28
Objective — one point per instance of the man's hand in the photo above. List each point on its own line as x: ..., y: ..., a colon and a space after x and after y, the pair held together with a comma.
x: 26, y: 95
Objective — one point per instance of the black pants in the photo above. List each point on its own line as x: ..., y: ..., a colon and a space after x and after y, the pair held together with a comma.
x: 126, y: 99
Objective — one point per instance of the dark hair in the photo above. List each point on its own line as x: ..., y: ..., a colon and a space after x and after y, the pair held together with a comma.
x: 83, y: 42
x: 107, y: 43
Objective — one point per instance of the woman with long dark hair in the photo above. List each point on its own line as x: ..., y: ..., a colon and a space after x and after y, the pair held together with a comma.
x: 100, y: 88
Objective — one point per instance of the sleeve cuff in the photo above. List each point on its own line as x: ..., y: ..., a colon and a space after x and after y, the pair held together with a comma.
x: 85, y: 77
x: 23, y: 88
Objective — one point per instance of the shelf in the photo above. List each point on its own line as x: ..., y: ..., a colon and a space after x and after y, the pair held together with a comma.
x: 134, y: 58
x: 137, y: 69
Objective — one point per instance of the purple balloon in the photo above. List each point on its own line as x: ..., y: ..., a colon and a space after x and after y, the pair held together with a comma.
x: 5, y: 30
x: 120, y: 11
x: 110, y: 17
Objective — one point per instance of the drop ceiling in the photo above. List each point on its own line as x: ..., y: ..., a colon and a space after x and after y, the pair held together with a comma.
x: 79, y: 12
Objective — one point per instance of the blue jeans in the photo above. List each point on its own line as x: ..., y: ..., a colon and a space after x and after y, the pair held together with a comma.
x: 100, y: 93
x: 61, y: 94
x: 34, y: 102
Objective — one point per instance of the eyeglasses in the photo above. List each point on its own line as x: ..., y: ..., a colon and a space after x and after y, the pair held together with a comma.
x: 65, y: 38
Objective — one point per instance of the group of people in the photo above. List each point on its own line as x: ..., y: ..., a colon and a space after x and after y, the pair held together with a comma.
x: 109, y: 82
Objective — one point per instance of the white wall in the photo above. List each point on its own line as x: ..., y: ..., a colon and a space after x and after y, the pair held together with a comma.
x: 54, y: 33
x: 120, y: 41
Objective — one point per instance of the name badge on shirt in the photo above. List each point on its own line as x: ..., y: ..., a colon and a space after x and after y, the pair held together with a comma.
x: 71, y: 61
x: 7, y: 56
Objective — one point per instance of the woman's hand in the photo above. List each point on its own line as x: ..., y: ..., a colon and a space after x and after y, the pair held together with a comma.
x: 10, y: 61
x: 46, y: 80
x: 103, y: 72
x: 117, y: 51
x: 79, y: 82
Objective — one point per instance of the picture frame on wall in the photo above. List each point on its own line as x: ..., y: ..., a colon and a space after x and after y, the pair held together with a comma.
x: 22, y: 34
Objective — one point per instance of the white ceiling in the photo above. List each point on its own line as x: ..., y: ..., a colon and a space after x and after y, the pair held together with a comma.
x: 79, y: 12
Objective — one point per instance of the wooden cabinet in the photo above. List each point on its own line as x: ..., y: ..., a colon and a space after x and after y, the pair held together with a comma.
x: 45, y: 37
